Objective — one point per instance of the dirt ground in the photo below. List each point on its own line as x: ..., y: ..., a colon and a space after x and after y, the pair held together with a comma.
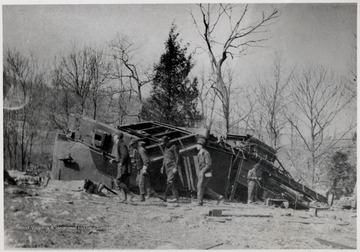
x: 59, y: 216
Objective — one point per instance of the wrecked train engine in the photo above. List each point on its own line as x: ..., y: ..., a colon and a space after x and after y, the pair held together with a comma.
x: 85, y: 152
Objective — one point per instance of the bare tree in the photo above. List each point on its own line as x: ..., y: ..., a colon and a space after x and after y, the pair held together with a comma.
x: 121, y: 103
x: 240, y: 110
x: 241, y: 36
x: 100, y: 70
x: 21, y: 125
x: 272, y: 98
x: 76, y: 75
x: 318, y: 98
x: 255, y: 122
x: 207, y: 101
x: 61, y: 101
x: 209, y: 108
x: 124, y: 52
x: 79, y: 81
x: 352, y: 79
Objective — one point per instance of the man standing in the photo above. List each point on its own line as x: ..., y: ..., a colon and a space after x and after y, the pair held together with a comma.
x: 204, y: 174
x: 122, y: 158
x: 253, y: 179
x: 142, y: 162
x: 170, y: 164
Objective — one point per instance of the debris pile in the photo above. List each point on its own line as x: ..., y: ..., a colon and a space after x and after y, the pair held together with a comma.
x: 35, y: 175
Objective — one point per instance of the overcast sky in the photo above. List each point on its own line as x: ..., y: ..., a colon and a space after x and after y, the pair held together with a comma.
x: 317, y: 34
x: 304, y: 33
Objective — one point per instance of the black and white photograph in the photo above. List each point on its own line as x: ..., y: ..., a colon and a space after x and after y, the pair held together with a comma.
x: 179, y: 126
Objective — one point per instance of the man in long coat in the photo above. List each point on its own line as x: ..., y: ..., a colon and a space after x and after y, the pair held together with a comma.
x: 204, y: 174
x: 170, y: 164
x: 122, y: 158
x: 142, y: 163
x: 253, y: 178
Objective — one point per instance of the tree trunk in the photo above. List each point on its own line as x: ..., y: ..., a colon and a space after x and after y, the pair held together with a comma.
x: 31, y: 146
x: 95, y: 110
x: 313, y: 164
x: 139, y: 92
x: 224, y: 98
x: 23, y: 149
x: 7, y: 150
x: 212, y: 114
x: 15, y: 151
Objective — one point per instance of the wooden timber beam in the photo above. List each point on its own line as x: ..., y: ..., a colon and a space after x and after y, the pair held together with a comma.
x: 238, y: 172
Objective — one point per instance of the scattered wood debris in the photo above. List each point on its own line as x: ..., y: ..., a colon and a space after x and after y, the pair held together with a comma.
x: 333, y: 244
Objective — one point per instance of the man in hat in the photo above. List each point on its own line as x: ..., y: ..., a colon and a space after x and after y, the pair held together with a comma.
x: 253, y: 178
x: 122, y: 158
x: 170, y: 164
x: 204, y: 174
x: 142, y: 163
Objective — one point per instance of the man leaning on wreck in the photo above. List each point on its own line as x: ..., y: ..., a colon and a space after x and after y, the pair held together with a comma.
x: 170, y: 164
x: 142, y: 163
x: 253, y: 178
x: 122, y: 158
x: 204, y: 174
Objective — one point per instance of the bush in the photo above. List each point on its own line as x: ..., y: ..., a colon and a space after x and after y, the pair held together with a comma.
x: 342, y: 174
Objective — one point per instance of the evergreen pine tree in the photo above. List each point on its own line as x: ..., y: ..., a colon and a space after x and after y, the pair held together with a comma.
x: 173, y: 98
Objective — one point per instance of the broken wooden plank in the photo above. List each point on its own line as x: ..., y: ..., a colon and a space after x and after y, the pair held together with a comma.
x: 249, y: 215
x: 313, y: 212
x: 333, y: 244
x: 294, y: 197
x: 291, y: 183
x: 187, y: 173
x: 218, y: 219
x: 107, y: 188
x: 315, y: 222
x: 215, y: 212
x: 190, y: 174
x: 268, y: 201
x: 305, y: 222
x: 237, y: 176
x: 213, y: 246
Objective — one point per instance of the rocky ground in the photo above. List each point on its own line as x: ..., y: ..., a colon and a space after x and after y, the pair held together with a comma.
x: 62, y: 216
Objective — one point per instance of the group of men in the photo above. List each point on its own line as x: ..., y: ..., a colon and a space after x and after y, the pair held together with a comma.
x: 170, y: 166
x: 142, y: 163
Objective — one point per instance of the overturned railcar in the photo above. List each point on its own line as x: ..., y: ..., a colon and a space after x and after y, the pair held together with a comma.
x: 85, y: 153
